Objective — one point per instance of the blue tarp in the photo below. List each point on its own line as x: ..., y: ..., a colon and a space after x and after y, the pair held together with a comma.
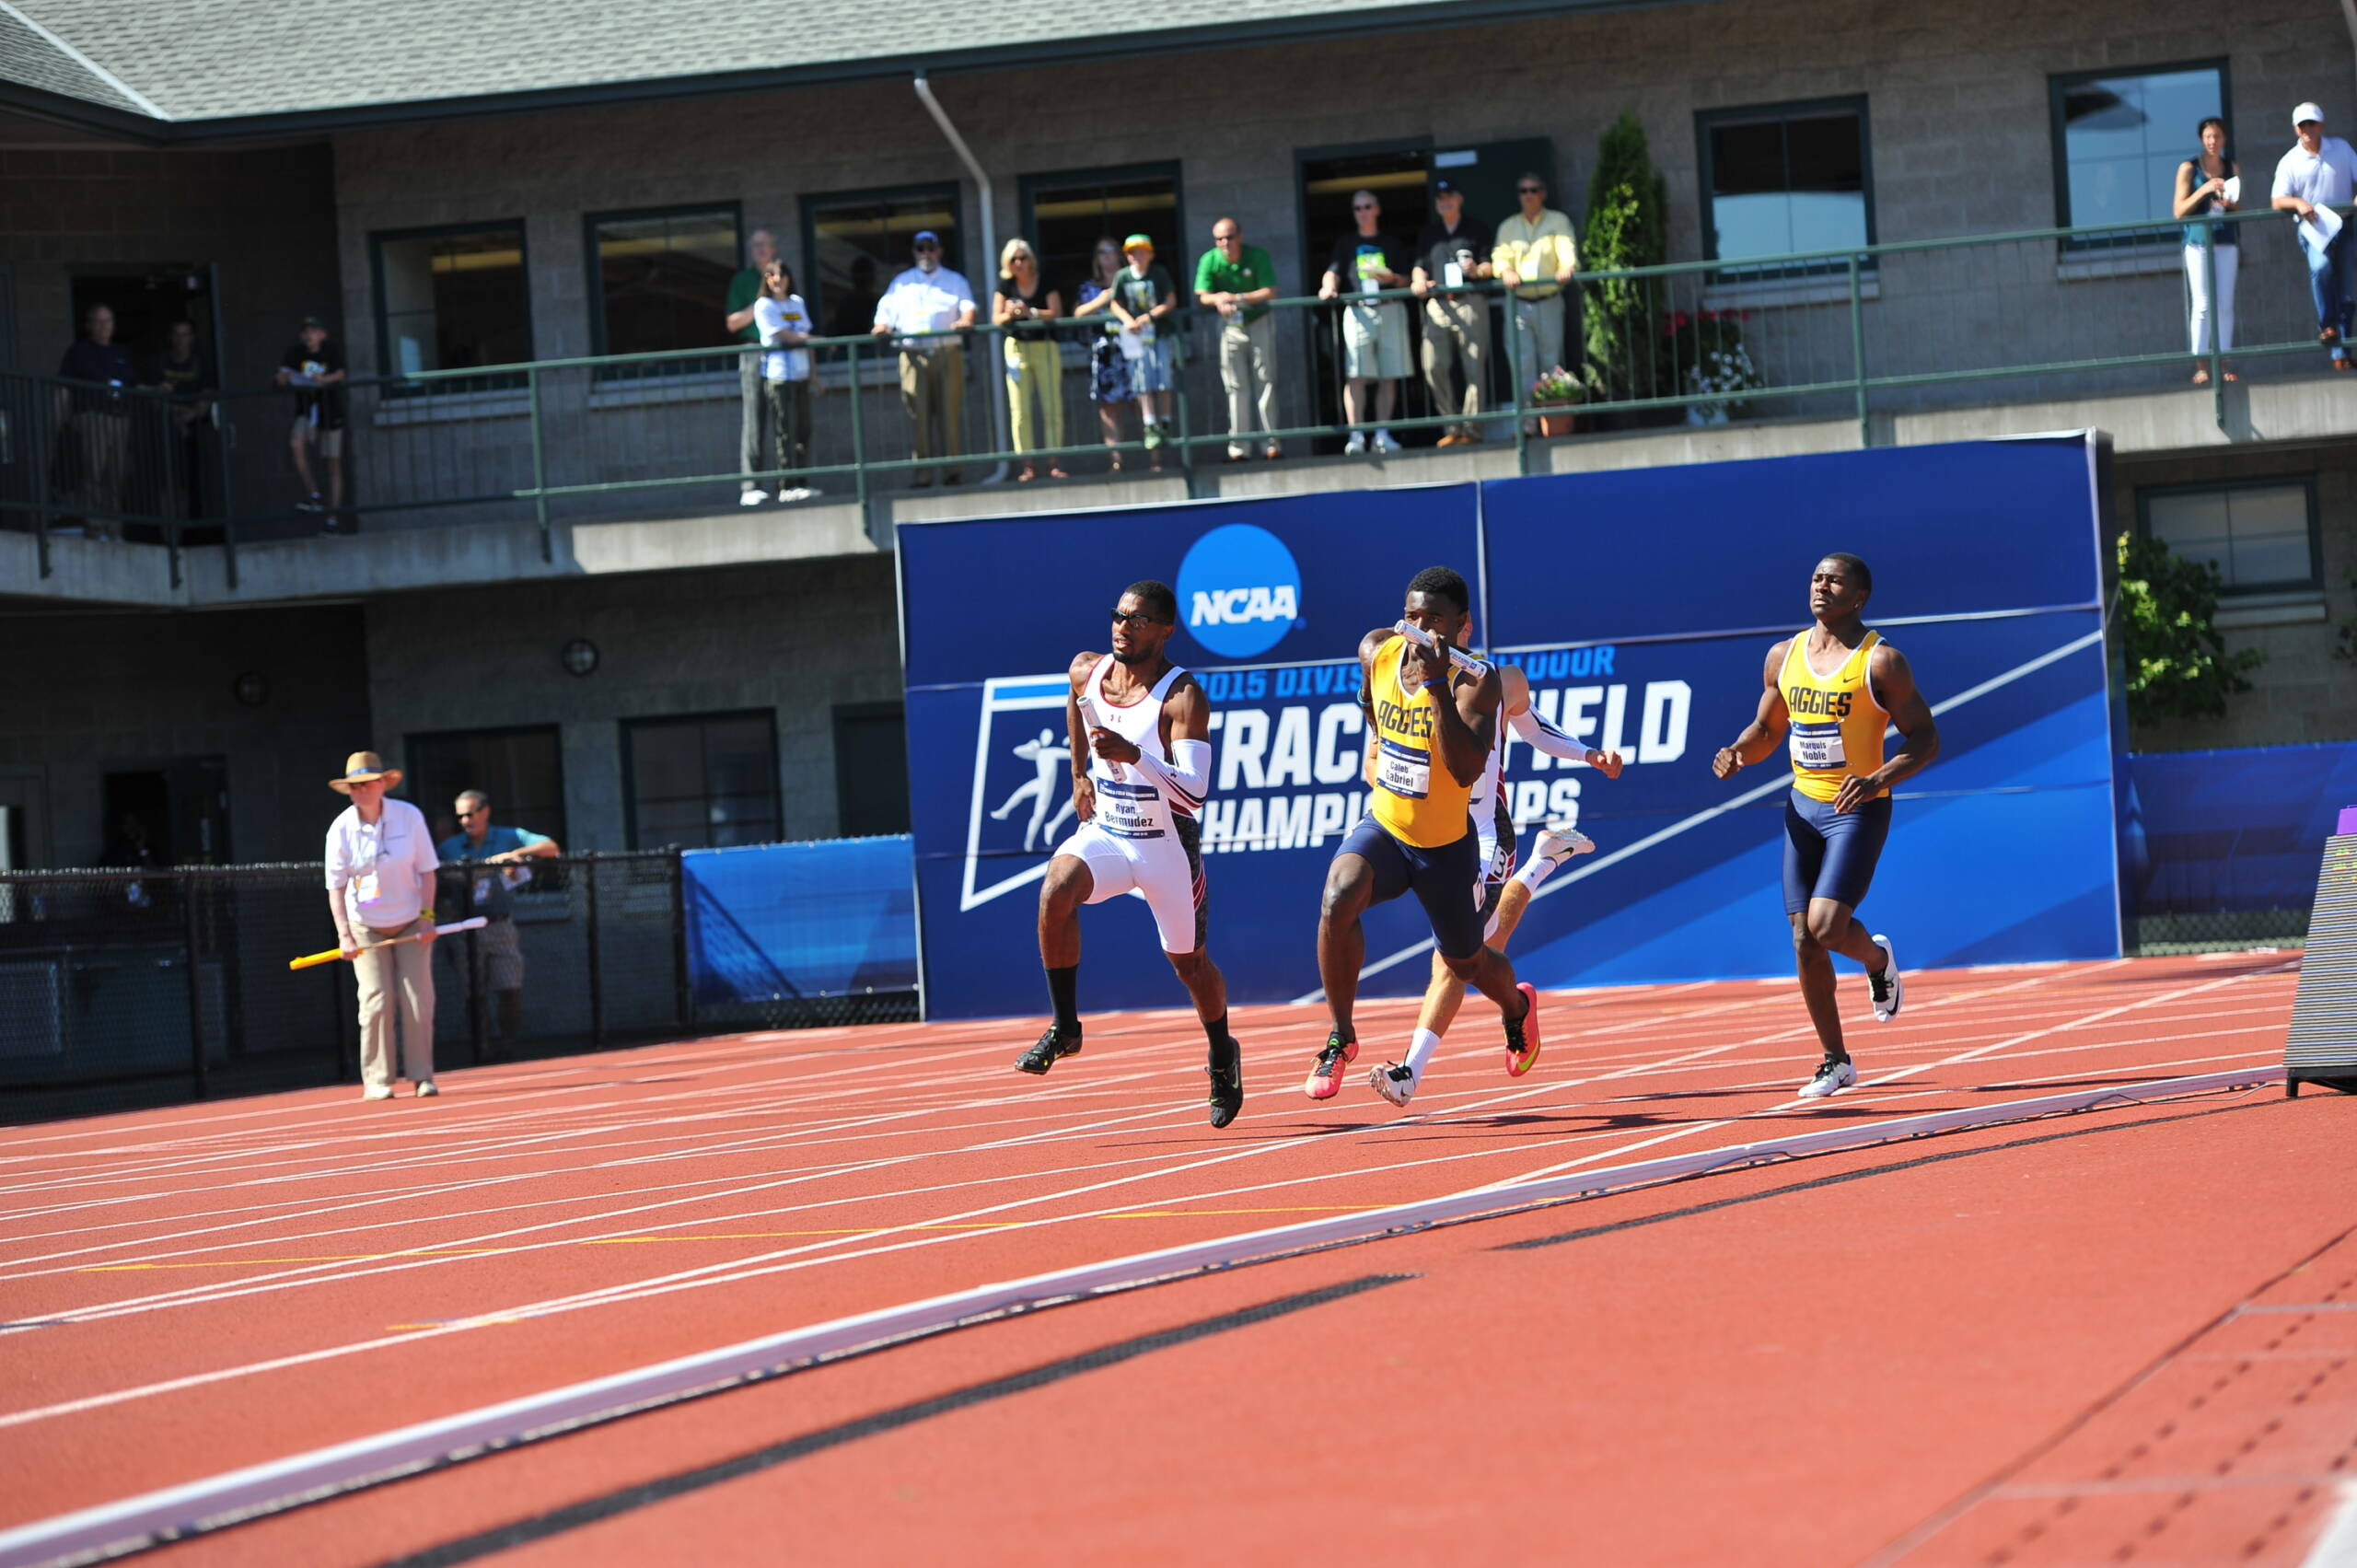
x: 2211, y: 833
x: 770, y: 921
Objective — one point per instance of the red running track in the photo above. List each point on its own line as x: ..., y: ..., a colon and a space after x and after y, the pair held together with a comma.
x: 1907, y: 1365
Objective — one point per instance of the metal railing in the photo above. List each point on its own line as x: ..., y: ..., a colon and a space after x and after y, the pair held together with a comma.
x: 1886, y: 328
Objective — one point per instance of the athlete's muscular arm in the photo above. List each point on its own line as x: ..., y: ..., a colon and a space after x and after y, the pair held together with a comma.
x: 1369, y: 646
x: 1758, y: 737
x: 1465, y: 729
x: 1084, y: 794
x: 1186, y: 740
x: 1894, y: 685
x: 1541, y: 735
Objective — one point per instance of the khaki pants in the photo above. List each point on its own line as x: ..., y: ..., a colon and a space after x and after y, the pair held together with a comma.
x: 1034, y: 394
x: 1248, y: 368
x: 396, y: 998
x: 1537, y: 339
x: 1456, y: 332
x: 933, y: 390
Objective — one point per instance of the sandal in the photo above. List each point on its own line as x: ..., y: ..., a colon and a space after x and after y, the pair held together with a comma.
x: 1026, y: 476
x: 1054, y: 471
x: 2202, y: 378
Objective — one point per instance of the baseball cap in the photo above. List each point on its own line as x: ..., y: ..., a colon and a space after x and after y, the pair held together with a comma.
x: 925, y: 237
x: 2304, y: 113
x: 1138, y: 242
x: 313, y: 321
x: 1446, y: 188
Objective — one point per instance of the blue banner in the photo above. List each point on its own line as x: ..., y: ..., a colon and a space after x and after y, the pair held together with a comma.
x: 770, y: 923
x: 1641, y: 604
x: 2220, y: 832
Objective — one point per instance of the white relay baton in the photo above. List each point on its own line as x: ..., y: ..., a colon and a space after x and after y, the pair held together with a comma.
x: 1095, y: 720
x: 1457, y: 656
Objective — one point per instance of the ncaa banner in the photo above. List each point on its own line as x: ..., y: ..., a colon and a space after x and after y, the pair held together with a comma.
x: 1274, y: 596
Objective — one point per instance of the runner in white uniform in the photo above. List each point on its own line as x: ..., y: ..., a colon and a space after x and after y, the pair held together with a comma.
x: 1143, y: 725
x: 1504, y: 892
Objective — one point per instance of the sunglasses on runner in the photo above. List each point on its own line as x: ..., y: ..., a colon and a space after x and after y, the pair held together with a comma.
x: 1137, y: 620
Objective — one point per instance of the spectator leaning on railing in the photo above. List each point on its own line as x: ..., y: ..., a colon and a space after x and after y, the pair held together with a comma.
x: 314, y: 367
x: 787, y: 377
x: 1145, y: 302
x: 381, y: 866
x: 181, y: 372
x: 2210, y: 182
x: 1108, y: 370
x: 1536, y: 258
x: 744, y: 291
x: 2317, y: 176
x: 1375, y: 332
x: 1238, y: 280
x: 929, y: 297
x: 1452, y: 255
x: 1026, y: 307
x: 493, y: 860
x: 96, y: 424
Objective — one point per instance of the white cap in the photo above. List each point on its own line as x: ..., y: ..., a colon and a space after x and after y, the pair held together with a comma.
x: 2304, y: 113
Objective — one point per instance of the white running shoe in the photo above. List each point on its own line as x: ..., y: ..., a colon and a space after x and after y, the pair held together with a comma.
x: 1356, y: 445
x: 1831, y: 1078
x: 426, y: 1090
x: 1385, y: 442
x: 1560, y: 844
x: 377, y: 1091
x: 753, y: 498
x: 1395, y: 1083
x: 1887, y: 987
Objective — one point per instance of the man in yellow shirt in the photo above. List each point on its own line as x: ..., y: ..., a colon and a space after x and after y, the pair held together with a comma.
x: 1535, y: 257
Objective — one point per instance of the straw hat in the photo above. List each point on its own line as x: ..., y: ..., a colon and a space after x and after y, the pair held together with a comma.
x: 362, y: 766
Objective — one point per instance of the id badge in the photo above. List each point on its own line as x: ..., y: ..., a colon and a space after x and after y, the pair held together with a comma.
x: 1404, y: 771
x: 364, y: 888
x: 1818, y: 747
x: 483, y: 888
x: 1452, y: 274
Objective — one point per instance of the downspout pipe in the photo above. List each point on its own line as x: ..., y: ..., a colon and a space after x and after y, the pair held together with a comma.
x: 993, y: 375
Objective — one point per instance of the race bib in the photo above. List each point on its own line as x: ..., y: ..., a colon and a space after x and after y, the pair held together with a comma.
x: 1403, y: 770
x: 1127, y: 810
x: 1818, y: 747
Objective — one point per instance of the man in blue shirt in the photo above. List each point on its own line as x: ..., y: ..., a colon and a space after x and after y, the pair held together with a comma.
x: 491, y: 859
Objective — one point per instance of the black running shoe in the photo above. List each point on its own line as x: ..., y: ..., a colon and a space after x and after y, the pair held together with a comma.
x: 1227, y: 1070
x: 1042, y: 1056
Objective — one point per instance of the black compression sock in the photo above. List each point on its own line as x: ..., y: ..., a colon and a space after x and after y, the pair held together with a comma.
x: 1215, y: 1031
x: 1064, y: 990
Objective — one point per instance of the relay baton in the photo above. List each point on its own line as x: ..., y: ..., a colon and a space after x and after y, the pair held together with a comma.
x: 310, y: 960
x: 1457, y: 656
x: 1093, y: 720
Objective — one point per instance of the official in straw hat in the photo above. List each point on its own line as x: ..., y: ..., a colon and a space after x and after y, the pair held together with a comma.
x: 380, y: 865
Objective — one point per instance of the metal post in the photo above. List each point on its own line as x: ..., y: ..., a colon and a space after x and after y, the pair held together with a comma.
x: 189, y: 935
x: 1858, y: 353
x: 475, y: 1032
x: 1186, y: 446
x: 597, y: 975
x: 684, y: 998
x: 1520, y: 388
x: 225, y: 443
x: 858, y: 432
x: 2217, y: 328
x: 43, y: 421
x: 540, y: 466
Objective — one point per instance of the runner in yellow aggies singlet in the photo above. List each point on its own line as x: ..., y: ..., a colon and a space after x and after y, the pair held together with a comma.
x: 1836, y: 687
x: 1430, y: 728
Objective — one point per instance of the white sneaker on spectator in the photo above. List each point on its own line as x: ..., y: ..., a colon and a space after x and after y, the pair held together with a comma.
x: 377, y: 1091
x: 426, y: 1090
x: 754, y: 498
x: 1385, y: 442
x: 1356, y: 445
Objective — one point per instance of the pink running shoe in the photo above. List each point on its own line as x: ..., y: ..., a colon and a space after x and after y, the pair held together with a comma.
x: 1326, y: 1073
x: 1522, y: 1038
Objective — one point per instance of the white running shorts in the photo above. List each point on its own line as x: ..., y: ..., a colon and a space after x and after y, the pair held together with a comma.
x: 1167, y: 873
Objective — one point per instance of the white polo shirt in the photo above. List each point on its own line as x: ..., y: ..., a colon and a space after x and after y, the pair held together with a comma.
x: 381, y: 867
x: 920, y: 301
x: 2326, y: 178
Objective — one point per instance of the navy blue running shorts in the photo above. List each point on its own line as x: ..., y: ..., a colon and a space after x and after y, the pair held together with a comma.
x: 1446, y: 881
x: 1830, y: 855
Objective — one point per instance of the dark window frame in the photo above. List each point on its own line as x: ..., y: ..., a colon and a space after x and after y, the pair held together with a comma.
x: 2164, y: 231
x: 812, y: 278
x: 895, y: 710
x: 1029, y: 186
x: 1707, y: 119
x: 491, y: 375
x: 2308, y: 483
x: 597, y: 279
x: 631, y: 727
x: 415, y: 739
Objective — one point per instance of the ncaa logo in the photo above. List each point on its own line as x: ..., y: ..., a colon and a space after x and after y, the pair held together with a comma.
x: 1239, y: 591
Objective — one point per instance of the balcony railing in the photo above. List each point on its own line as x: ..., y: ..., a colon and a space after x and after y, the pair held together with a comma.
x: 1833, y: 334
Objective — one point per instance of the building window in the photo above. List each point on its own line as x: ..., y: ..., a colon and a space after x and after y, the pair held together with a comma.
x: 452, y: 298
x: 703, y: 781
x: 859, y: 240
x: 521, y: 769
x: 660, y: 280
x: 1066, y: 214
x: 1785, y: 180
x: 871, y: 770
x: 2261, y: 536
x: 2119, y: 137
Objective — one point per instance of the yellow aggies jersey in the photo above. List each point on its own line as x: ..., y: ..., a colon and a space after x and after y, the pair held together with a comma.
x: 1415, y: 798
x: 1837, y: 724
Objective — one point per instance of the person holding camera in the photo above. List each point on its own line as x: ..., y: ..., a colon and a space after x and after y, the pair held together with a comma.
x: 2207, y: 183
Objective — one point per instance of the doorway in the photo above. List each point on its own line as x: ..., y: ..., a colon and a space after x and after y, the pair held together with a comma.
x: 175, y: 815
x: 146, y: 302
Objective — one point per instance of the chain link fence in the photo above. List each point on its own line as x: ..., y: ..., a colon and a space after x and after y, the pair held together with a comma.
x: 123, y: 988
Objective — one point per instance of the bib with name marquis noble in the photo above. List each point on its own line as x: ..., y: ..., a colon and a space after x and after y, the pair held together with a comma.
x: 1837, y: 723
x: 1415, y: 798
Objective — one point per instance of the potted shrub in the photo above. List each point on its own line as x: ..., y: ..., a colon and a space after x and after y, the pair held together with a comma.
x: 1552, y: 397
x: 1706, y: 347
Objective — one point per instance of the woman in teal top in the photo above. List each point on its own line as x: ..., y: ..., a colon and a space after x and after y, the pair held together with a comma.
x: 2209, y: 248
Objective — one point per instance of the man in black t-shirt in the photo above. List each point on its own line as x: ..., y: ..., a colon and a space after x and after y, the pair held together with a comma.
x: 1452, y: 259
x: 95, y: 420
x: 1375, y: 332
x: 314, y: 368
x: 182, y: 372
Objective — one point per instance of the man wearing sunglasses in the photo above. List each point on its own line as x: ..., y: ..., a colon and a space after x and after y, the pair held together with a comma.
x: 1142, y: 764
x: 491, y: 860
x: 1536, y: 258
x: 930, y: 299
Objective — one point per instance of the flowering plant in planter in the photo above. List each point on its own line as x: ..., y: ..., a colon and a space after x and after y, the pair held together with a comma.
x: 1707, y: 350
x: 1557, y: 390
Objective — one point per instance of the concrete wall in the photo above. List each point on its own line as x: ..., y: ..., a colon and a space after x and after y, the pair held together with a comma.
x: 799, y: 639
